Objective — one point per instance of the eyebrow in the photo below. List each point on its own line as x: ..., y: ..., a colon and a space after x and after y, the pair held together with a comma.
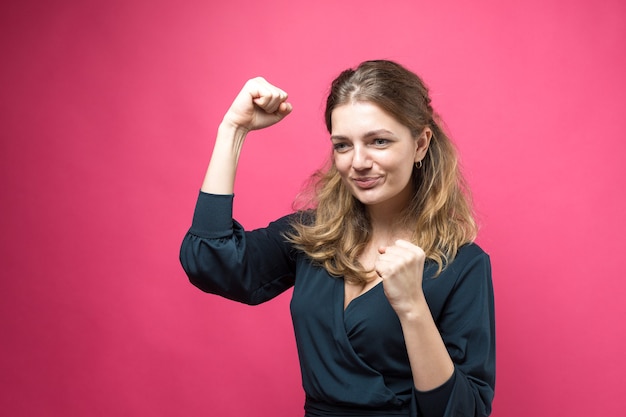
x: 367, y: 135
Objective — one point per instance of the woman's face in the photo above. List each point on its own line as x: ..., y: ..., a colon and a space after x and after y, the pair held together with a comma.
x: 375, y: 154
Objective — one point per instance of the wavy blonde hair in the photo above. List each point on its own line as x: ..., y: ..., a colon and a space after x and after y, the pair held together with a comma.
x: 439, y: 215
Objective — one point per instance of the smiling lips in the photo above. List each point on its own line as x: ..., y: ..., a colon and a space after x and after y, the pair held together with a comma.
x: 366, y: 182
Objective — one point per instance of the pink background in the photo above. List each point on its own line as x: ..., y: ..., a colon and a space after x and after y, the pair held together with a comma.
x: 107, y: 115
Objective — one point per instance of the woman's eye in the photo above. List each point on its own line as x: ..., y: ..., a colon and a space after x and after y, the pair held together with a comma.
x: 340, y: 147
x: 381, y: 142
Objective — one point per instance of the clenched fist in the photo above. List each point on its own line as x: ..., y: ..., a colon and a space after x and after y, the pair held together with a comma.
x: 401, y: 267
x: 259, y: 104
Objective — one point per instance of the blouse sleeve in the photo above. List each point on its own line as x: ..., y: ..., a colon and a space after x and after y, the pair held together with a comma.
x: 220, y: 257
x: 467, y: 326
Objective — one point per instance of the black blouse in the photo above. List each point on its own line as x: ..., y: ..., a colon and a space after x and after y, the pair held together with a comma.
x: 353, y: 361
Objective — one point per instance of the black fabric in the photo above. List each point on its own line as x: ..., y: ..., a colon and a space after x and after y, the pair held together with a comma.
x: 353, y: 362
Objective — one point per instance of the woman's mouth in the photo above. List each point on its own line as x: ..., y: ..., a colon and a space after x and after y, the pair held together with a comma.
x: 366, y: 182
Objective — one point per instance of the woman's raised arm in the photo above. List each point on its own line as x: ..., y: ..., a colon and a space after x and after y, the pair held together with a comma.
x: 258, y: 105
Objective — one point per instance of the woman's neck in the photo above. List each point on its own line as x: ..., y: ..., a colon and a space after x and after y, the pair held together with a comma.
x: 387, y: 229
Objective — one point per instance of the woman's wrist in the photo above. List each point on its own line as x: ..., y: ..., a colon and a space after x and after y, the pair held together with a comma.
x: 415, y: 312
x: 231, y: 133
x: 220, y: 176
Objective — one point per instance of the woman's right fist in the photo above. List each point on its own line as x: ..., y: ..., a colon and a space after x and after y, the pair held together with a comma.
x: 259, y: 104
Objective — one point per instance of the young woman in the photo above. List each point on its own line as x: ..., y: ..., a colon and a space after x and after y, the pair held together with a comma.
x: 392, y: 303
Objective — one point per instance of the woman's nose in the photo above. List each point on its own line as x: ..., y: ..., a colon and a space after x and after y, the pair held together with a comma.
x: 361, y: 159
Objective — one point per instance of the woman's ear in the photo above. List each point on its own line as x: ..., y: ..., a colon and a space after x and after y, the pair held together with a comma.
x: 423, y: 142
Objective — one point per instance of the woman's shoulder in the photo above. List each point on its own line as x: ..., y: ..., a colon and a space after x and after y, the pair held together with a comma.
x: 471, y: 261
x: 300, y: 217
x: 467, y: 257
x: 289, y: 223
x: 470, y: 251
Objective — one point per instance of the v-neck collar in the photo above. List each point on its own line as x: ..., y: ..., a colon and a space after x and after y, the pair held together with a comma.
x: 355, y: 299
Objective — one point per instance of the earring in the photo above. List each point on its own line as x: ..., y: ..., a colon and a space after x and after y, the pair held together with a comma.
x: 418, y: 164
